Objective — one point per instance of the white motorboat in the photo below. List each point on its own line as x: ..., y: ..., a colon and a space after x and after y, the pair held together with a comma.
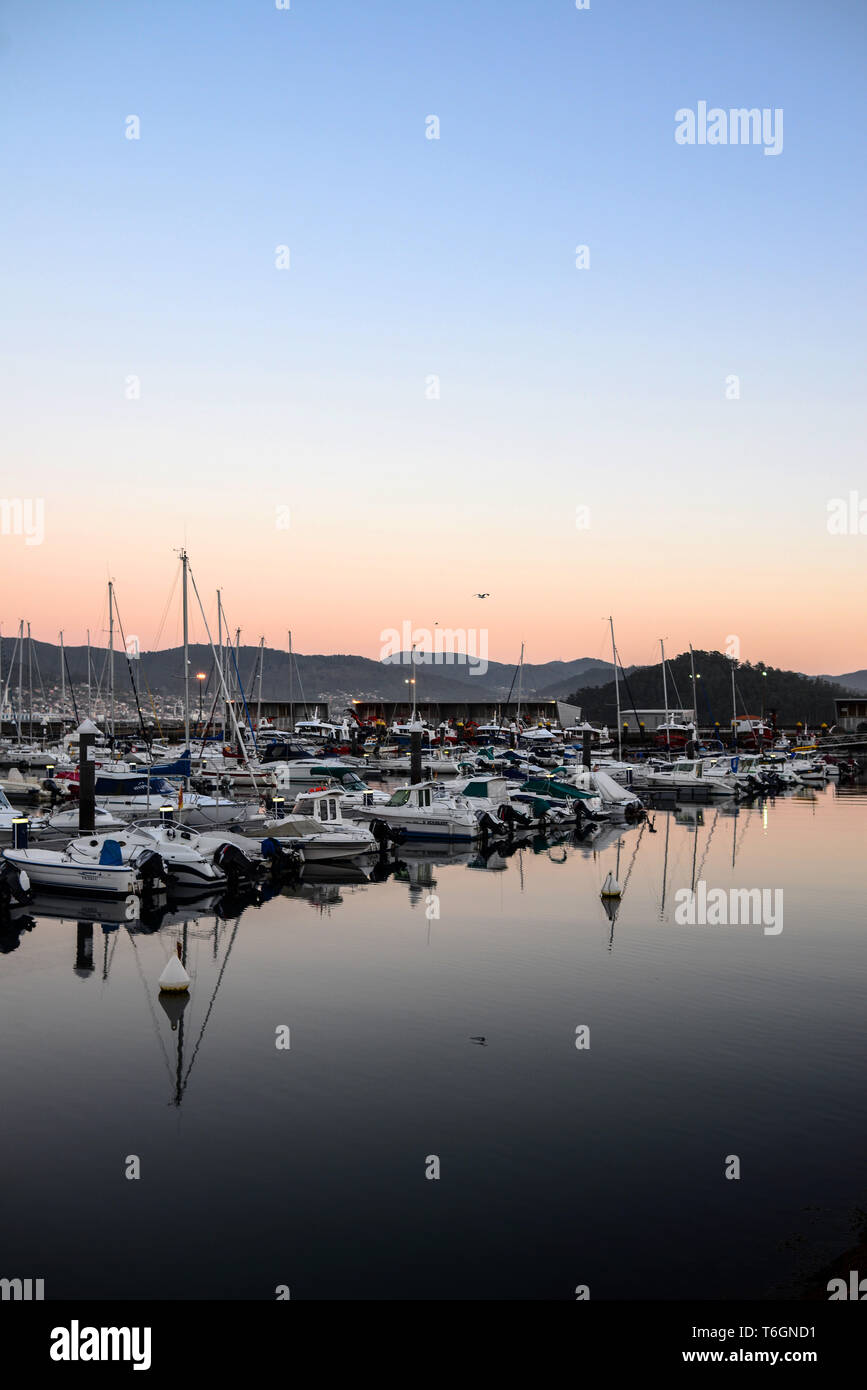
x: 68, y: 819
x: 426, y: 811
x: 62, y: 872
x: 687, y: 774
x: 316, y: 827
x: 10, y: 813
x: 189, y: 859
x: 303, y: 774
x: 143, y: 793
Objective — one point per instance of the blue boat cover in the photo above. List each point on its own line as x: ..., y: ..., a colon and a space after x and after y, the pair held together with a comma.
x: 110, y: 854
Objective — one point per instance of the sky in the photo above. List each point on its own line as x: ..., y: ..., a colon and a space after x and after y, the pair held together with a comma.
x: 432, y: 399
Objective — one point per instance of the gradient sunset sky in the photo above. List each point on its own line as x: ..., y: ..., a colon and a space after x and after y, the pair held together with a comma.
x: 307, y: 388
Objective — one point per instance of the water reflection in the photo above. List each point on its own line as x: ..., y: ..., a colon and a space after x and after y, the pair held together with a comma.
x: 608, y: 1159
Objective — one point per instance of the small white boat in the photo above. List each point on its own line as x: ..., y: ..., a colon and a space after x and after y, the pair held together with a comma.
x: 688, y: 774
x: 59, y: 871
x: 316, y: 827
x: 426, y: 811
x: 68, y: 819
x: 10, y: 813
x: 184, y: 861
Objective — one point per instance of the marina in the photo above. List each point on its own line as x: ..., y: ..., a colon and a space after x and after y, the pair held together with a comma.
x: 433, y: 693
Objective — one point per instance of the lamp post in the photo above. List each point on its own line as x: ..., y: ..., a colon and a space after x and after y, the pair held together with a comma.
x: 200, y: 676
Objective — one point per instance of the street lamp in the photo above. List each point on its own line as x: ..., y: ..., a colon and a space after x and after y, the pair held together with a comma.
x: 200, y: 676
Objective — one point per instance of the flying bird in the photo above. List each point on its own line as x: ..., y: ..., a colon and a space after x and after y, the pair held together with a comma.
x: 481, y: 1041
x: 481, y: 595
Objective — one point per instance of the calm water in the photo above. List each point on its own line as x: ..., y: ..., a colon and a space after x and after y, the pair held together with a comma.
x: 558, y: 1166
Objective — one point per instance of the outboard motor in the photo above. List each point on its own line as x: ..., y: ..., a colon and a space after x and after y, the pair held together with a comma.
x: 14, y: 886
x: 152, y: 869
x: 233, y: 862
x: 385, y: 836
x: 283, y: 861
x: 489, y: 825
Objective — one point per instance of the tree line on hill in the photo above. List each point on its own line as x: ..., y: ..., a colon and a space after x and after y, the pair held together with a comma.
x: 759, y: 690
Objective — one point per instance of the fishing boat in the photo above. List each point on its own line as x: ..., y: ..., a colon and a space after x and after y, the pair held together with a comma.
x: 675, y: 732
x: 752, y: 732
x: 316, y: 827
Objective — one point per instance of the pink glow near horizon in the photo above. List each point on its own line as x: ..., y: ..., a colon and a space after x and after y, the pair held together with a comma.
x: 340, y: 590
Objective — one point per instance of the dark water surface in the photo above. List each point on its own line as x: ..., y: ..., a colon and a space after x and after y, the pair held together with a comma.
x: 558, y: 1166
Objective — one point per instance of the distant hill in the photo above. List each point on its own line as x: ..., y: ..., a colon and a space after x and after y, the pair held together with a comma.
x: 794, y: 696
x: 853, y: 680
x: 161, y: 672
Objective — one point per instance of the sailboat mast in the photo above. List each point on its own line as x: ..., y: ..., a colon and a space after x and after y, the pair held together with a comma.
x: 414, y: 669
x: 30, y: 681
x: 111, y: 654
x: 520, y: 682
x: 89, y: 704
x: 20, y: 677
x: 616, y: 689
x: 62, y: 684
x: 291, y: 706
x: 186, y: 655
x: 220, y: 653
x: 665, y: 695
x: 734, y: 710
x: 261, y: 669
x: 694, y: 691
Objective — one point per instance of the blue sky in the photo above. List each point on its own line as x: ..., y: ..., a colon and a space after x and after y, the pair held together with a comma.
x: 306, y: 127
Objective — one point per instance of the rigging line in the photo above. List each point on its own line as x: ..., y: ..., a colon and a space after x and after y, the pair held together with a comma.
x: 743, y: 832
x: 165, y: 613
x: 229, y: 703
x: 211, y: 1005
x: 39, y: 677
x: 153, y: 705
x: 707, y: 843
x: 674, y: 683
x: 628, y: 689
x: 509, y: 696
x: 294, y: 658
x: 131, y: 676
x: 150, y: 1005
x: 634, y: 853
x: 71, y: 690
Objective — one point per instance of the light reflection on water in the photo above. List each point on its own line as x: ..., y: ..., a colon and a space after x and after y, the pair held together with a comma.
x: 559, y: 1166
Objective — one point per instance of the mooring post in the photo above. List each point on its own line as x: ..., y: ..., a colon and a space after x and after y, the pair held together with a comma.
x: 87, y: 732
x: 586, y: 756
x: 415, y: 770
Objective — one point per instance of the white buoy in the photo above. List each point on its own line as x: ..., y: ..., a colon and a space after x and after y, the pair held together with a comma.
x: 611, y: 888
x: 174, y: 978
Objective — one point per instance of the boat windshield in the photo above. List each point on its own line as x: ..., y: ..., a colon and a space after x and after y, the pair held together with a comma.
x: 399, y: 798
